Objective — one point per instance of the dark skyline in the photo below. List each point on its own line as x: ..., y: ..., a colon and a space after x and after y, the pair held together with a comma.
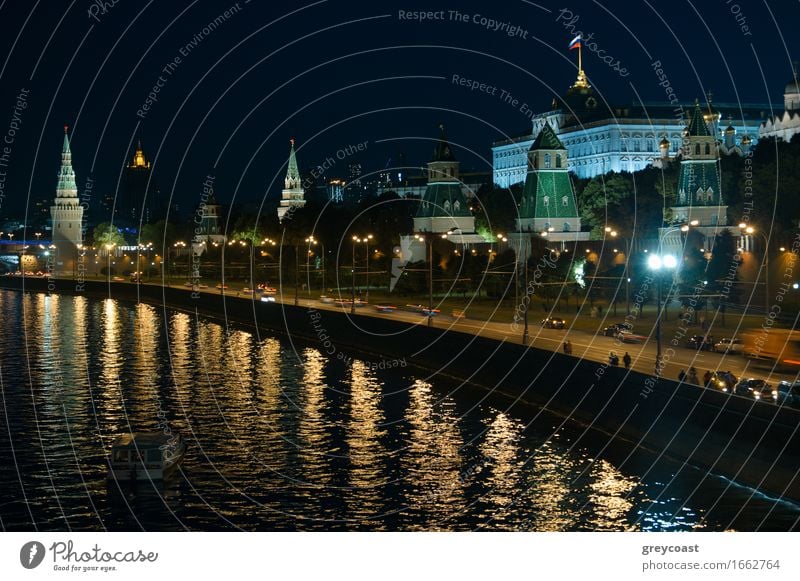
x: 249, y: 76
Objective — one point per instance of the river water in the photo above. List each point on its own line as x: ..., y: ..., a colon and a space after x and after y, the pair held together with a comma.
x: 283, y: 437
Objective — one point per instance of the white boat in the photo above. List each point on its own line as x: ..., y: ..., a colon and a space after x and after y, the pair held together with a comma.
x: 146, y: 456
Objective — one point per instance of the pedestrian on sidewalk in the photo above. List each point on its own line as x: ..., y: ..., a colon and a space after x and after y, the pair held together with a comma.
x: 626, y: 359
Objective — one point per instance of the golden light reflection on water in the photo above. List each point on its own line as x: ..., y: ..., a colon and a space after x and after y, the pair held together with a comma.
x: 548, y: 490
x: 609, y: 498
x: 110, y: 362
x: 502, y: 463
x: 313, y: 437
x: 432, y: 462
x: 367, y: 474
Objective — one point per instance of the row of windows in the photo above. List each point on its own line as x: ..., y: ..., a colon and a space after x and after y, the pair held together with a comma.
x: 456, y: 206
x: 564, y: 201
x: 701, y: 195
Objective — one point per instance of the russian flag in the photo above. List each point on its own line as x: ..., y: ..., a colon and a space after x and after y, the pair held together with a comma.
x: 576, y: 42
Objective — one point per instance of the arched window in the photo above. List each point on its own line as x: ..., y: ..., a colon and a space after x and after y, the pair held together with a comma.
x: 565, y: 201
x: 447, y: 206
x: 708, y: 149
x: 566, y: 226
x: 456, y: 206
x: 697, y: 149
x: 547, y: 160
x: 700, y: 194
x: 547, y: 225
x: 558, y: 160
x: 710, y: 195
x: 546, y: 200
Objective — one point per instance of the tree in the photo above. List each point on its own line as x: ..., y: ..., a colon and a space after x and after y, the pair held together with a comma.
x: 496, y: 209
x: 722, y: 272
x: 106, y: 234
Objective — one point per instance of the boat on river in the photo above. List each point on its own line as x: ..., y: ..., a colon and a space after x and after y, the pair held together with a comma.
x: 146, y: 456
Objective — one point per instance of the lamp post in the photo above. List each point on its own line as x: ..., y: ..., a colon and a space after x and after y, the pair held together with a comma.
x: 626, y: 272
x: 659, y: 264
x: 311, y: 241
x: 749, y: 230
x: 358, y: 240
x: 429, y: 242
x: 525, y: 282
x: 108, y: 256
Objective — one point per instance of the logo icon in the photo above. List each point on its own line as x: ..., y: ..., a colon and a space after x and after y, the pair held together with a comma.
x: 31, y: 554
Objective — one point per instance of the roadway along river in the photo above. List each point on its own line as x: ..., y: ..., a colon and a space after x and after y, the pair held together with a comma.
x: 283, y: 438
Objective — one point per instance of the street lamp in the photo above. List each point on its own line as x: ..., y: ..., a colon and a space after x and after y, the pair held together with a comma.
x: 429, y: 241
x: 659, y: 264
x: 108, y: 267
x: 626, y: 273
x: 749, y: 230
x: 311, y: 241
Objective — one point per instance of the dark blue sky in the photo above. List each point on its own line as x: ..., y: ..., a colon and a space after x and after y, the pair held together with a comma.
x: 336, y: 72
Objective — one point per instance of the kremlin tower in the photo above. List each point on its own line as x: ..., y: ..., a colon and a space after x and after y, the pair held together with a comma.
x: 66, y: 213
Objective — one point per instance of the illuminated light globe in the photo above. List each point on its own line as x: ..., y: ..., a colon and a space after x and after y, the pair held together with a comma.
x: 654, y: 262
x: 670, y: 261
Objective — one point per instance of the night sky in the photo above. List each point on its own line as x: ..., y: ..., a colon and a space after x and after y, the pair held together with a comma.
x: 333, y: 73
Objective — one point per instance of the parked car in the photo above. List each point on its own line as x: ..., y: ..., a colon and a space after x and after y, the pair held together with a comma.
x: 757, y: 389
x: 788, y: 394
x: 554, y: 323
x: 700, y: 342
x: 613, y: 329
x: 722, y: 381
x: 729, y: 346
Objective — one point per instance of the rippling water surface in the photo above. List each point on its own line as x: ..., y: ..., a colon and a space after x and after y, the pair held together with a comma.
x: 282, y: 437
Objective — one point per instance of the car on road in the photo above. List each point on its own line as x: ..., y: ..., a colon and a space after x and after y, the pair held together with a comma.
x: 385, y: 308
x: 554, y: 323
x: 729, y: 346
x: 221, y: 286
x: 626, y: 336
x: 136, y: 277
x: 789, y: 394
x: 614, y: 329
x: 723, y: 381
x: 701, y: 342
x: 757, y: 389
x: 117, y: 279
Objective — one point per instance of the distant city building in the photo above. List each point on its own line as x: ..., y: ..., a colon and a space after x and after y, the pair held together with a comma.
x: 787, y: 125
x: 66, y: 214
x: 292, y: 196
x: 138, y: 193
x: 620, y: 138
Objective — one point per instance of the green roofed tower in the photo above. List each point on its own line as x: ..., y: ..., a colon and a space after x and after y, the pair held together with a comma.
x: 444, y: 206
x: 66, y: 214
x: 548, y: 200
x: 699, y: 195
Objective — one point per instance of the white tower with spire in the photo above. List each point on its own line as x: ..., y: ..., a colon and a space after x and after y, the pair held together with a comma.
x: 292, y: 196
x: 66, y: 213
